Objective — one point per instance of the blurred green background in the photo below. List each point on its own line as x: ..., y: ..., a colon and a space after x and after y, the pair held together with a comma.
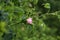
x: 44, y: 13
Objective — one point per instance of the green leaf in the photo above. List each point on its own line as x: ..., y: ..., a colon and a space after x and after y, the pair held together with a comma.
x: 35, y: 2
x: 3, y: 24
x: 47, y: 5
x: 59, y: 16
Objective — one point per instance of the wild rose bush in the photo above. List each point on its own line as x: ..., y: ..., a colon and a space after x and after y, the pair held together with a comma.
x: 29, y: 20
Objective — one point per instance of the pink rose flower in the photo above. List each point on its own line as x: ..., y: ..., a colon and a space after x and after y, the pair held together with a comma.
x: 29, y: 20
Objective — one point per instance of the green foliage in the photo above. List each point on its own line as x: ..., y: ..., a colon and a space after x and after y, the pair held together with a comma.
x: 45, y: 16
x: 47, y: 5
